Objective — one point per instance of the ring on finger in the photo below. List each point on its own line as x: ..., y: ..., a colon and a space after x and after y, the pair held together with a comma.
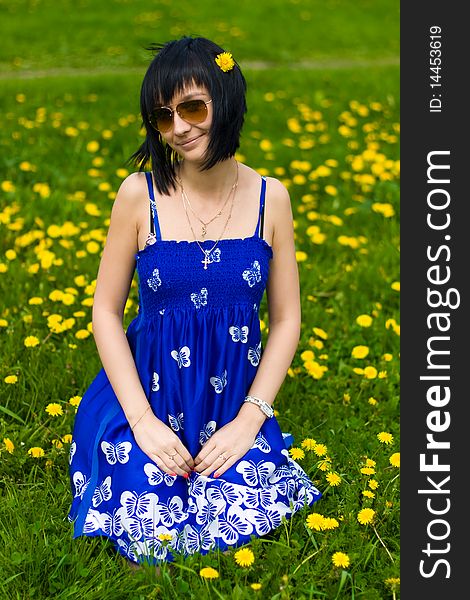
x: 223, y: 457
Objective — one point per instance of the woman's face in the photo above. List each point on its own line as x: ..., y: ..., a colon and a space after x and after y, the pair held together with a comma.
x: 189, y: 141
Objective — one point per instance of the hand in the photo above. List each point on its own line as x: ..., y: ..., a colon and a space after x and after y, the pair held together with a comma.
x: 159, y: 442
x: 233, y: 440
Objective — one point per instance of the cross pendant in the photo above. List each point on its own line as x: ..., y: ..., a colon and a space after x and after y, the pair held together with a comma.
x: 206, y: 260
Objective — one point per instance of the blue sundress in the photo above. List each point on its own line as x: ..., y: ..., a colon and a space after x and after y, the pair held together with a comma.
x: 196, y: 342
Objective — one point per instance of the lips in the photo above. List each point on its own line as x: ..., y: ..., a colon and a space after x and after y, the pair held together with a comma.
x: 188, y: 142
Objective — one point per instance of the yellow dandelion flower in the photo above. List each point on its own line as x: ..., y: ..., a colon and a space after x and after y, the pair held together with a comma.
x: 208, y: 573
x: 360, y: 351
x: 31, y: 341
x: 372, y: 401
x: 320, y: 449
x: 36, y: 452
x: 368, y: 471
x: 75, y: 400
x: 11, y: 379
x: 297, y: 453
x: 67, y: 438
x: 370, y: 462
x: 393, y: 582
x: 308, y: 444
x: 333, y: 479
x: 395, y: 460
x: 365, y: 516
x: 54, y: 409
x: 368, y: 494
x: 385, y: 438
x: 256, y: 586
x: 225, y: 61
x: 320, y: 332
x: 370, y: 372
x: 340, y: 559
x: 93, y: 146
x: 325, y: 464
x: 364, y: 320
x: 373, y: 484
x: 387, y: 356
x: 329, y: 523
x: 315, y: 521
x: 244, y: 557
x: 164, y: 537
x: 395, y: 285
x: 9, y: 445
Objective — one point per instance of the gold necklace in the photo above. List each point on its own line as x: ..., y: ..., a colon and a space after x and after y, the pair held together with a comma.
x: 205, y: 224
x: 207, y: 253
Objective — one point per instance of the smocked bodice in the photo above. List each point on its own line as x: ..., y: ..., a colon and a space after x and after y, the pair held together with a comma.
x: 176, y: 275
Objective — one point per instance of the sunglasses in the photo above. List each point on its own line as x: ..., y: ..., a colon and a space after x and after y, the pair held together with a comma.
x: 191, y: 111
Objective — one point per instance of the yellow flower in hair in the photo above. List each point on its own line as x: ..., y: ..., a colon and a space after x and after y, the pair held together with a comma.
x: 225, y: 61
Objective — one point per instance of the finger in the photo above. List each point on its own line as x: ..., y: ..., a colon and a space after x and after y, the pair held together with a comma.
x: 203, y: 454
x: 213, y: 461
x: 159, y: 462
x: 188, y: 459
x: 177, y: 464
x: 227, y: 464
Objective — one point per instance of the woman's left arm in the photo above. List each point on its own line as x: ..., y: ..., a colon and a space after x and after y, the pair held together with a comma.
x: 284, y: 312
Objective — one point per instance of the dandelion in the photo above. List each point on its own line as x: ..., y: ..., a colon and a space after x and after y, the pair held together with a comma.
x: 333, y: 479
x: 165, y: 537
x: 365, y: 516
x: 372, y: 401
x: 308, y: 444
x: 67, y: 438
x: 385, y: 438
x: 36, y: 452
x: 225, y: 61
x: 11, y: 379
x: 364, y: 320
x: 395, y: 460
x: 320, y: 449
x: 360, y: 351
x: 320, y: 332
x: 9, y: 445
x: 373, y: 484
x: 244, y: 557
x: 340, y: 559
x: 208, y: 573
x: 329, y: 523
x: 393, y: 582
x: 297, y: 453
x: 256, y: 586
x: 368, y: 471
x: 54, y: 409
x: 368, y: 494
x: 315, y: 521
x: 75, y: 400
x: 31, y: 341
x: 370, y: 372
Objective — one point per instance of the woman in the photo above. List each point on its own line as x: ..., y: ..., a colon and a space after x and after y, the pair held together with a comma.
x: 175, y: 446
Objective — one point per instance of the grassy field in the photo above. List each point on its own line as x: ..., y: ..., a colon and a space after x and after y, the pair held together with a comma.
x: 323, y: 98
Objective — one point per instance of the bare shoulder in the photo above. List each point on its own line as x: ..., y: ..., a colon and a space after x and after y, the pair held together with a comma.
x: 279, y: 208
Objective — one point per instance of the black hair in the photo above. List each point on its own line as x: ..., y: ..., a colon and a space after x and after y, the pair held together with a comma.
x: 176, y: 64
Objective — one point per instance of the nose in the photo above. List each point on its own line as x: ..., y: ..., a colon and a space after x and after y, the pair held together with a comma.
x: 180, y: 125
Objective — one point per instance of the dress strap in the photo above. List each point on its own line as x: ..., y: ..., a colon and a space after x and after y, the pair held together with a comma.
x: 260, y: 223
x: 154, y: 224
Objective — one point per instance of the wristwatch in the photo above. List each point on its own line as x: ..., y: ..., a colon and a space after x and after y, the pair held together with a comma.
x: 264, y: 406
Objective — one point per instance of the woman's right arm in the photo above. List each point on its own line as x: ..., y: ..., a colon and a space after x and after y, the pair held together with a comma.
x: 115, y: 274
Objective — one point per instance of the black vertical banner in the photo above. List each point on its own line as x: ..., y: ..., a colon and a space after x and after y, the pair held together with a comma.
x: 435, y: 270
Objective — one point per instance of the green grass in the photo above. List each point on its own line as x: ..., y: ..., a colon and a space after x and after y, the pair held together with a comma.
x: 114, y: 33
x: 38, y: 557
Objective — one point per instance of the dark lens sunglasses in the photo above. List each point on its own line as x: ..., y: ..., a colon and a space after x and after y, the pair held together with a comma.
x: 191, y: 111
